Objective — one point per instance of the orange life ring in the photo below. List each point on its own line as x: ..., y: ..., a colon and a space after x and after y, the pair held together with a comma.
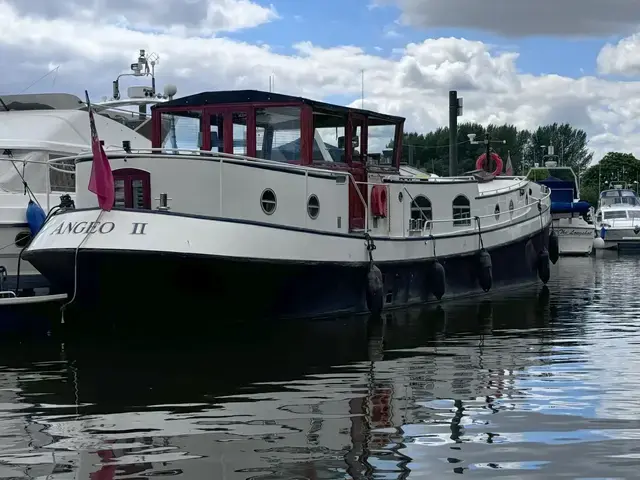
x: 480, y: 163
x: 379, y: 201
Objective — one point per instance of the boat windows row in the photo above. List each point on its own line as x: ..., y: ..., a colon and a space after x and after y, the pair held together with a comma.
x: 282, y: 134
x: 422, y: 213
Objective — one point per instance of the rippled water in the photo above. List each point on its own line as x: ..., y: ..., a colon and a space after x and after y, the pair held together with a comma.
x: 529, y: 384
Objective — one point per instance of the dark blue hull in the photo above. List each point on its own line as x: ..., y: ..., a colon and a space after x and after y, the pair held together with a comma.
x: 119, y: 280
x: 33, y: 282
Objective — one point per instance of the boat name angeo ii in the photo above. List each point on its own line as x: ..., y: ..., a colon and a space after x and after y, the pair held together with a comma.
x: 301, y: 206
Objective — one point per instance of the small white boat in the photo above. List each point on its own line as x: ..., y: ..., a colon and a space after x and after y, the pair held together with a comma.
x: 618, y: 218
x: 575, y: 233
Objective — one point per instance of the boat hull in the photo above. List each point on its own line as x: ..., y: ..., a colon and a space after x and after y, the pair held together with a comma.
x: 624, y: 239
x: 30, y: 278
x: 268, y: 288
x: 575, y: 236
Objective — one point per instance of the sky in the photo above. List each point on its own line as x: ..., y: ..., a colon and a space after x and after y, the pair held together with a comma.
x: 513, y: 61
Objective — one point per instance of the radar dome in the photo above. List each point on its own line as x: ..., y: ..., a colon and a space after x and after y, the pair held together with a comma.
x: 170, y: 90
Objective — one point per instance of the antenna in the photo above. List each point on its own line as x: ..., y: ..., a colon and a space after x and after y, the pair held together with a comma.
x: 144, y: 61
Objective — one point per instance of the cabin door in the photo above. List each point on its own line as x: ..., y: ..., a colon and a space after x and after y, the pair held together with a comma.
x: 357, y: 146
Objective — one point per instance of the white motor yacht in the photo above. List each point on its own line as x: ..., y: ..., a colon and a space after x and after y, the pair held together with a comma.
x: 618, y: 218
x: 36, y: 131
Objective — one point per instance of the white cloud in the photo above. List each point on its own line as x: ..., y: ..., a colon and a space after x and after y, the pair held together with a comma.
x: 519, y: 18
x: 623, y: 58
x: 412, y: 82
x: 204, y: 17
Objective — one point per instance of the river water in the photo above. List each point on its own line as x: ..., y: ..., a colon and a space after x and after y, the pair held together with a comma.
x: 532, y: 383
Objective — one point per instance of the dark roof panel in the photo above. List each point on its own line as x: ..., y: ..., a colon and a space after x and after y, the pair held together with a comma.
x: 257, y: 96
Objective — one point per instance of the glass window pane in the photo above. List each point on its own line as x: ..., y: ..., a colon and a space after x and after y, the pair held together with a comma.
x: 328, y: 138
x: 182, y: 130
x: 119, y: 193
x: 240, y: 133
x: 278, y: 134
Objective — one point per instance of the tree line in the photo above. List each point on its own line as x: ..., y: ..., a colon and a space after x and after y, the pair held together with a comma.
x: 430, y: 151
x: 614, y: 167
x: 527, y: 148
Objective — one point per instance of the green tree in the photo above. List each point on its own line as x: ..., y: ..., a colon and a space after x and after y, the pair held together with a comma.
x: 570, y: 146
x: 430, y: 151
x: 613, y: 167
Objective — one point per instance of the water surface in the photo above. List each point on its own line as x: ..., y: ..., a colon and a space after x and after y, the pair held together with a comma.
x: 531, y: 383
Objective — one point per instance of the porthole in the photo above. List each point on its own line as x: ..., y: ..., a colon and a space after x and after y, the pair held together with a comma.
x: 400, y: 196
x: 268, y: 201
x: 496, y: 211
x: 511, y: 207
x: 313, y: 207
x: 22, y: 239
x: 530, y: 192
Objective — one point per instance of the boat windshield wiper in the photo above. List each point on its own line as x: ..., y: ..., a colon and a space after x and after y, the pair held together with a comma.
x: 4, y: 104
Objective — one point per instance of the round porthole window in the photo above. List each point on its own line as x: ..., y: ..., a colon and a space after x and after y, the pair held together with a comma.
x: 268, y: 201
x: 22, y: 239
x: 496, y: 211
x: 313, y: 207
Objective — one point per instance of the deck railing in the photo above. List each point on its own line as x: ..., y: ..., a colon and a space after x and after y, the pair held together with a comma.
x: 222, y: 158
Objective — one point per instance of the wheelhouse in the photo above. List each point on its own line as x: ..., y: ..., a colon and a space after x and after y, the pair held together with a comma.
x: 619, y: 197
x: 279, y: 128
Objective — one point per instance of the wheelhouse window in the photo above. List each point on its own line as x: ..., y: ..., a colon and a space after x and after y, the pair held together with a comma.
x: 132, y: 189
x: 615, y: 214
x: 421, y: 213
x: 356, y: 140
x: 239, y: 133
x: 329, y: 138
x: 616, y: 197
x: 216, y: 127
x: 182, y: 130
x: 461, y: 211
x: 278, y: 134
x: 380, y: 138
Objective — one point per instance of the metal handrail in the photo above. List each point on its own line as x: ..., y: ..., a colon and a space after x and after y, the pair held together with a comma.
x: 196, y: 155
x: 470, y: 218
x: 495, y: 190
x: 612, y: 222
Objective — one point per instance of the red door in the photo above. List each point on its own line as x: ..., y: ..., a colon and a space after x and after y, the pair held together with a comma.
x: 357, y: 154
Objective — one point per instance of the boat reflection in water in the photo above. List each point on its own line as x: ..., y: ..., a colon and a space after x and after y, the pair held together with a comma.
x: 304, y: 400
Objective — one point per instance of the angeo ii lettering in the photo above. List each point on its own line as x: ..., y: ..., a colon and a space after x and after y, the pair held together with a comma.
x: 83, y: 228
x: 79, y: 228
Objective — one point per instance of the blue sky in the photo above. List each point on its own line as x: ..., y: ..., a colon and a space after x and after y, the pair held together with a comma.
x: 586, y: 73
x: 332, y: 23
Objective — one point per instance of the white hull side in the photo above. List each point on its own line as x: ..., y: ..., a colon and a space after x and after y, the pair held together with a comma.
x: 575, y: 236
x: 205, y: 236
x: 13, y: 221
x: 621, y: 238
